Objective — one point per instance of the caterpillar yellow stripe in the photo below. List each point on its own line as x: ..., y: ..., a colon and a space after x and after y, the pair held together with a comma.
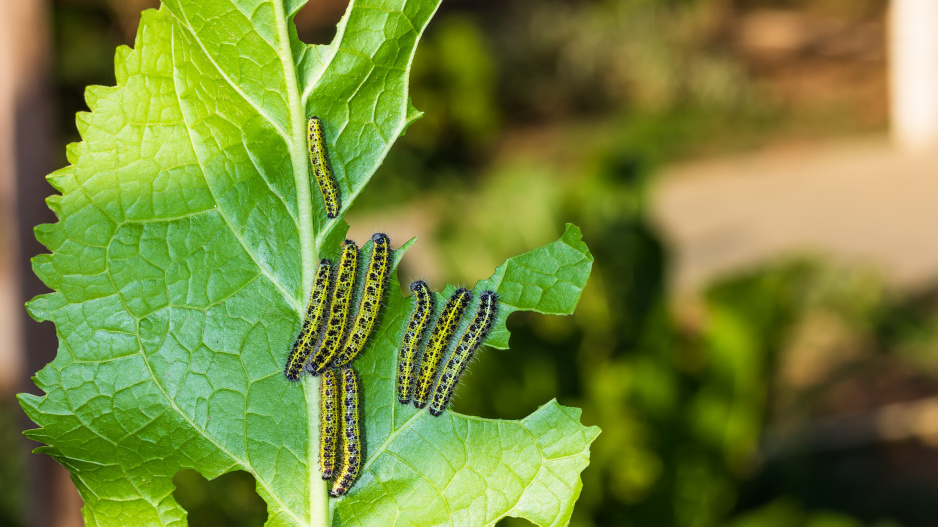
x: 438, y: 343
x: 351, y: 434
x: 316, y: 313
x: 413, y: 338
x: 322, y: 171
x: 328, y: 421
x: 462, y: 354
x: 338, y: 311
x: 372, y: 296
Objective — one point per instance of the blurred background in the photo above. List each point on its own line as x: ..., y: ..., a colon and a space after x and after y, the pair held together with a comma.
x: 756, y: 178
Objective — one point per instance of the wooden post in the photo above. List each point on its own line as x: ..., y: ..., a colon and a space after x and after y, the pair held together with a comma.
x: 913, y: 55
x: 28, y: 152
x: 11, y: 345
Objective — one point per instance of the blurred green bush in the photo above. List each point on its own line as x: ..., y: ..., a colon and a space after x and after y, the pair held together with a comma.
x: 229, y: 500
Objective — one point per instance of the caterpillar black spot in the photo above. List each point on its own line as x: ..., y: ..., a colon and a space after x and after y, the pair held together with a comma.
x: 413, y: 338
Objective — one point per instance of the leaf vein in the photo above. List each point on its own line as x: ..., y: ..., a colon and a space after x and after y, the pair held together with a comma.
x: 184, y: 22
x: 289, y: 297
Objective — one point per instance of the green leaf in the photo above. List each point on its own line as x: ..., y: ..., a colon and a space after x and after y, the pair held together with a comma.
x: 186, y: 246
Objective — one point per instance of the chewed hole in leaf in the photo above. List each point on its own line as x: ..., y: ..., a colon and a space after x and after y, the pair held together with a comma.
x: 229, y: 500
x: 501, y: 384
x: 513, y: 522
x: 316, y: 22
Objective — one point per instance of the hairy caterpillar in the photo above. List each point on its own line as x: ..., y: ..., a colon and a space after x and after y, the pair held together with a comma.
x: 351, y: 433
x: 439, y: 341
x: 312, y: 325
x: 328, y: 421
x: 413, y: 338
x: 468, y: 344
x: 372, y: 295
x: 338, y: 312
x: 315, y: 139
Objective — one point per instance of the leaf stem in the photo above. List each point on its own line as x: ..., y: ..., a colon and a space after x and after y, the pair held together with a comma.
x: 319, y: 512
x: 308, y: 249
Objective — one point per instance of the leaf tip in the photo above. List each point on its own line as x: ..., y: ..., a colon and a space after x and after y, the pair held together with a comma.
x: 54, y: 202
x: 45, y: 233
x: 83, y: 122
x: 412, y: 115
x: 30, y: 405
x: 94, y: 93
x: 71, y: 154
x: 60, y: 177
x: 37, y: 307
x: 573, y: 237
x: 404, y: 248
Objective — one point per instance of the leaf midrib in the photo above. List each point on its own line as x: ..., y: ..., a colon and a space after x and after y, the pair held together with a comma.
x: 310, y: 240
x: 296, y: 145
x: 318, y: 504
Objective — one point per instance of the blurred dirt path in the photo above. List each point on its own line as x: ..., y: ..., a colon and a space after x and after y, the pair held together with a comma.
x: 860, y: 200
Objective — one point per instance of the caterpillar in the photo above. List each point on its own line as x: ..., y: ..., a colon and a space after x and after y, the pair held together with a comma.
x: 322, y: 171
x: 328, y: 421
x: 338, y: 316
x: 351, y: 432
x: 312, y: 325
x: 439, y: 341
x: 468, y: 344
x: 372, y: 295
x: 413, y: 338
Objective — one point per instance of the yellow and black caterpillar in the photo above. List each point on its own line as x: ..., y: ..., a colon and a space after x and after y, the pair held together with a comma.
x: 372, y: 297
x: 413, y: 338
x: 316, y: 312
x: 322, y: 171
x: 338, y: 316
x: 328, y: 421
x: 438, y: 343
x: 351, y: 435
x: 462, y: 354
